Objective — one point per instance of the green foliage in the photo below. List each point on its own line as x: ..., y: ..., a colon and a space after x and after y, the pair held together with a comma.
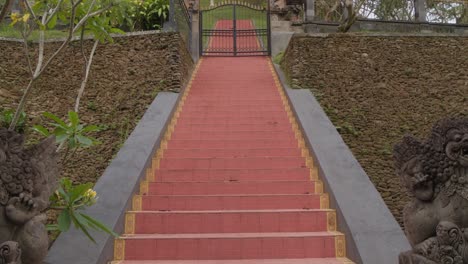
x: 279, y: 57
x: 148, y: 14
x: 90, y: 17
x: 446, y: 12
x: 100, y: 25
x: 7, y: 31
x: 348, y: 129
x: 205, y: 4
x: 72, y: 133
x: 70, y: 199
x: 92, y: 106
x: 6, y: 116
x: 394, y: 10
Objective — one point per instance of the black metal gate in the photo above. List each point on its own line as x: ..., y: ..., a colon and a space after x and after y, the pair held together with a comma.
x: 235, y: 29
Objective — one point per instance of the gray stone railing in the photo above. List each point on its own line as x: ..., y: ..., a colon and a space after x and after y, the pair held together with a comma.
x: 372, y: 233
x: 116, y: 187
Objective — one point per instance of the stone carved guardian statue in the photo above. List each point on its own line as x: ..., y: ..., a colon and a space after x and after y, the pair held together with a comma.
x: 435, y: 174
x: 27, y: 179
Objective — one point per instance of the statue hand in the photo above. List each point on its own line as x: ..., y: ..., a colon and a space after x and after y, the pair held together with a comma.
x: 20, y: 210
x: 419, y: 178
x: 423, y: 247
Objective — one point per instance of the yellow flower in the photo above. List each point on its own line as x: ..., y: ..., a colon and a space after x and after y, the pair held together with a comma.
x: 90, y: 193
x: 15, y: 17
x: 26, y: 17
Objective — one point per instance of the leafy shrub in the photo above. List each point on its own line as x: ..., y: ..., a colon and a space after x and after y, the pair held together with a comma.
x: 71, y: 133
x: 148, y: 14
x: 279, y: 57
x: 70, y: 199
x: 6, y: 116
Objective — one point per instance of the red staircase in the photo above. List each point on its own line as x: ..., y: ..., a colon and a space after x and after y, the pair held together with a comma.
x: 233, y: 181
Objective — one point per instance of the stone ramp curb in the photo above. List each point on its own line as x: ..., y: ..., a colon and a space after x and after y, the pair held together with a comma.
x: 116, y: 187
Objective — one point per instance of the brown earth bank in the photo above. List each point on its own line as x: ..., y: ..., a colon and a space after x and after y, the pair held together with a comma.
x: 376, y: 89
x: 125, y: 78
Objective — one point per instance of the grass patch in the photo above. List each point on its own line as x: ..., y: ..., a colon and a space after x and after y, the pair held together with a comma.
x: 8, y: 31
x: 210, y: 17
x: 278, y: 58
x: 204, y: 4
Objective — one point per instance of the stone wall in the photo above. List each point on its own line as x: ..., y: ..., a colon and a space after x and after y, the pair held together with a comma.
x: 125, y: 78
x: 374, y: 25
x: 378, y: 88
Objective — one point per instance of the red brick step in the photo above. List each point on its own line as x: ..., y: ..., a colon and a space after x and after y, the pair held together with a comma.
x: 247, y: 221
x: 274, y: 127
x: 237, y: 96
x: 229, y: 188
x: 229, y: 202
x: 242, y: 261
x: 226, y: 100
x: 233, y: 163
x: 227, y: 175
x: 231, y: 246
x: 238, y: 112
x: 232, y: 144
x: 233, y: 135
x: 223, y: 108
x: 232, y: 120
x: 226, y: 153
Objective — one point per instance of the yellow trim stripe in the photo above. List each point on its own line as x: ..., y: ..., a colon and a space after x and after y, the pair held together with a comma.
x: 340, y: 246
x: 318, y: 187
x: 314, y: 174
x: 324, y: 201
x: 331, y: 221
x: 119, y: 249
x: 130, y: 223
x: 144, y: 187
x: 137, y: 203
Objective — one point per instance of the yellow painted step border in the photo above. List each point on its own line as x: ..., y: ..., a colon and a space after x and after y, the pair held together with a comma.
x: 150, y: 173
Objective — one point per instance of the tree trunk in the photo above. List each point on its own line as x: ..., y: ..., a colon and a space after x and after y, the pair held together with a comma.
x: 6, y: 8
x: 350, y: 19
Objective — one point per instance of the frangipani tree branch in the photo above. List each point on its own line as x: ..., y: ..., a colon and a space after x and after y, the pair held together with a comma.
x: 86, y: 75
x: 26, y: 51
x: 30, y: 10
x: 88, y: 16
x: 5, y: 9
x: 41, y: 49
x: 34, y: 77
x: 41, y: 65
x: 54, y: 11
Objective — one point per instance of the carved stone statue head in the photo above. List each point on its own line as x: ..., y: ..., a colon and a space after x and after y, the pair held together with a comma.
x: 451, y: 136
x: 435, y: 173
